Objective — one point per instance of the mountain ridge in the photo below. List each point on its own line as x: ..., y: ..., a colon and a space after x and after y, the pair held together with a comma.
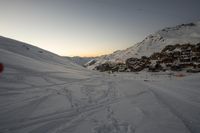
x: 180, y: 34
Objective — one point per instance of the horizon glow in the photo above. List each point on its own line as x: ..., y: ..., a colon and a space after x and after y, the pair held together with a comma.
x: 90, y: 27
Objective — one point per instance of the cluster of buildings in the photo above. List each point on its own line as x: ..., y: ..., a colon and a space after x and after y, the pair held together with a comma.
x: 172, y: 57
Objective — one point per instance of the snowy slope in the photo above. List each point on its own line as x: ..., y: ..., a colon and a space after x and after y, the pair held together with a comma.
x: 181, y: 34
x: 80, y: 60
x: 34, y: 83
x: 33, y: 53
x: 44, y: 93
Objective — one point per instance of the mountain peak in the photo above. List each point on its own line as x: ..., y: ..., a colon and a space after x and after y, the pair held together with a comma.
x: 180, y: 34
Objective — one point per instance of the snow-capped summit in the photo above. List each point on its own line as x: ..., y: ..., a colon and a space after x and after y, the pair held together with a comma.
x: 181, y: 34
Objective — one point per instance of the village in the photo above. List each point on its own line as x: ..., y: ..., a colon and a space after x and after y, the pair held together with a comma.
x: 176, y: 57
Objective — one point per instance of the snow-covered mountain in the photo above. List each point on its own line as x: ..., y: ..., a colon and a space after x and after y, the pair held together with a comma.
x: 80, y: 60
x: 27, y: 56
x: 41, y: 92
x: 181, y: 34
x: 35, y: 86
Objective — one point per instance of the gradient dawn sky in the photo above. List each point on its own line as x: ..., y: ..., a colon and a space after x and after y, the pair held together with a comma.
x: 90, y: 27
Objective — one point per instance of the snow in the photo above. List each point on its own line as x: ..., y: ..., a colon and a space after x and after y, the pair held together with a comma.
x: 46, y: 93
x: 154, y: 43
x: 80, y: 60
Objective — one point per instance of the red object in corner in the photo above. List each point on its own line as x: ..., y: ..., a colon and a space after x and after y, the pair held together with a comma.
x: 1, y: 67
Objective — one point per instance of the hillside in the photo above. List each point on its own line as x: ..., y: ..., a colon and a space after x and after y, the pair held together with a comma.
x: 181, y: 34
x: 21, y: 54
x: 41, y: 92
x: 80, y: 60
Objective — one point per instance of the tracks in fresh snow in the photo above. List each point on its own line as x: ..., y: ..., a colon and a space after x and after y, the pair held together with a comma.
x: 106, y: 104
x: 179, y: 105
x: 113, y: 125
x: 63, y: 120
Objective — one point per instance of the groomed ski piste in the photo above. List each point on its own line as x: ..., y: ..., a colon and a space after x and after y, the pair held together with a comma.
x: 41, y: 92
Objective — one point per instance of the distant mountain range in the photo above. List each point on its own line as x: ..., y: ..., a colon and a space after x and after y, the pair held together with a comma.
x: 80, y: 60
x: 180, y: 34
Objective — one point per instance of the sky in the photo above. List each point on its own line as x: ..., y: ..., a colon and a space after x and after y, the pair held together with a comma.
x: 91, y: 27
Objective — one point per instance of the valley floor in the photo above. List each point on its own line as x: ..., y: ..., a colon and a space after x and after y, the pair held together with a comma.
x: 115, y: 103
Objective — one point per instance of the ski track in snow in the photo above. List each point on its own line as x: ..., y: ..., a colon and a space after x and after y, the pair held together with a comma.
x: 193, y: 121
x: 41, y: 92
x: 52, y: 120
x: 115, y: 92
